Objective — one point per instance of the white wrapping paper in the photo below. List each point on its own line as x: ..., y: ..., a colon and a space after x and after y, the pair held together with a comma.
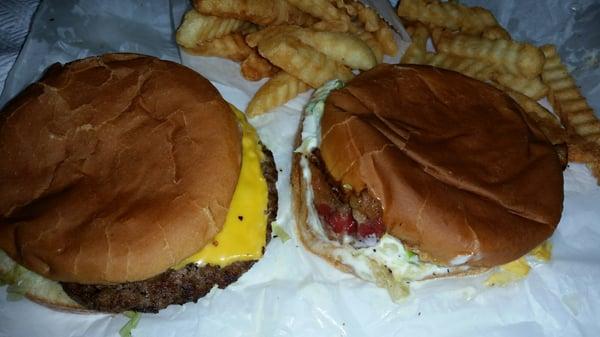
x: 289, y: 292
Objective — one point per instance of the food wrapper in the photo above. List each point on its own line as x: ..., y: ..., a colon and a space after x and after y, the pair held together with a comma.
x: 290, y: 292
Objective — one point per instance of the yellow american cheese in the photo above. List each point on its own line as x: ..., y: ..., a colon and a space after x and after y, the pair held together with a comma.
x: 509, y: 273
x: 244, y: 233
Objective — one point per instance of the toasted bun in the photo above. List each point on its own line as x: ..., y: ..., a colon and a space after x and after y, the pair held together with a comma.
x: 457, y: 165
x: 81, y: 198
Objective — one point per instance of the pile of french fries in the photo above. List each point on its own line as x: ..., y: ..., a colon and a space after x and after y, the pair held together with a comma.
x: 469, y: 40
x: 297, y: 44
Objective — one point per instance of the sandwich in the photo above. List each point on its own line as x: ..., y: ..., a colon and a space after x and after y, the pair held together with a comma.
x: 127, y: 183
x: 410, y: 173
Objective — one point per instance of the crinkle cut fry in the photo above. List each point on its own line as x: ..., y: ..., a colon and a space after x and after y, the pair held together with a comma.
x: 230, y: 46
x: 583, y: 127
x: 302, y: 61
x: 197, y: 28
x: 260, y: 12
x: 472, y: 20
x: 279, y: 89
x: 417, y: 54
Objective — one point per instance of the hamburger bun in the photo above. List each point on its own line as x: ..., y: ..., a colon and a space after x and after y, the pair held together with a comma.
x: 463, y: 176
x: 116, y: 169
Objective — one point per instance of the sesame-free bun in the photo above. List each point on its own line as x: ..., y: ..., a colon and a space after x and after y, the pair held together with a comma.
x: 115, y: 168
x: 459, y: 168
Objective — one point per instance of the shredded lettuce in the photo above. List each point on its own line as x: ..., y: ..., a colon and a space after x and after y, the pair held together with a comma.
x: 398, y: 289
x: 13, y: 278
x: 22, y: 281
x: 134, y: 318
x: 280, y: 232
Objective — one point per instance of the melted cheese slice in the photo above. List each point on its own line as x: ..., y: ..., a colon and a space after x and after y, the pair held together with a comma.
x: 244, y: 233
x: 509, y: 273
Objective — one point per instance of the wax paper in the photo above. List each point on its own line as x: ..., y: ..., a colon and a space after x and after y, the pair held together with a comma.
x: 290, y: 292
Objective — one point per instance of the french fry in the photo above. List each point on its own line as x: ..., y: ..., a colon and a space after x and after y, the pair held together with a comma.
x: 321, y: 9
x: 531, y: 87
x: 368, y: 17
x: 417, y: 51
x: 254, y: 38
x: 475, y: 68
x: 341, y: 47
x: 347, y: 8
x: 385, y: 37
x: 548, y: 122
x: 373, y: 44
x: 417, y: 54
x: 302, y: 61
x: 517, y: 58
x: 495, y: 33
x: 260, y: 12
x: 586, y: 153
x: 256, y: 67
x: 450, y: 15
x: 437, y: 33
x: 372, y: 23
x: 582, y: 125
x: 279, y: 89
x: 196, y: 28
x: 332, y: 26
x: 230, y: 46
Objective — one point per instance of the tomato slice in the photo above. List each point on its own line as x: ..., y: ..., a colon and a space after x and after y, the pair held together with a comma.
x: 371, y: 227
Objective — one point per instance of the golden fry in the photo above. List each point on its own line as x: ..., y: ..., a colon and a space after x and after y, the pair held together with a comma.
x: 332, y: 26
x: 342, y: 47
x: 582, y: 125
x: 196, y: 28
x: 260, y: 12
x: 256, y: 67
x: 254, y: 38
x: 347, y: 8
x: 495, y: 33
x: 385, y: 37
x: 417, y: 54
x: 475, y: 68
x: 437, y: 33
x: 450, y: 15
x: 373, y: 44
x: 417, y: 51
x: 566, y: 98
x: 546, y: 120
x: 321, y: 9
x: 517, y: 58
x: 279, y: 89
x: 302, y: 61
x: 586, y: 153
x: 230, y: 46
x: 531, y: 87
x: 368, y: 17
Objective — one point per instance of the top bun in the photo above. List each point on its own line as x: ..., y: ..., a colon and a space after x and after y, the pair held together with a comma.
x: 115, y: 168
x: 461, y: 172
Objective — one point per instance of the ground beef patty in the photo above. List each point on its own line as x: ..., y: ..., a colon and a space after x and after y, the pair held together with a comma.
x: 173, y: 286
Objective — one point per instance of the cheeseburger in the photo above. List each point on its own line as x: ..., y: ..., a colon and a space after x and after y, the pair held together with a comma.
x: 128, y: 183
x: 410, y: 173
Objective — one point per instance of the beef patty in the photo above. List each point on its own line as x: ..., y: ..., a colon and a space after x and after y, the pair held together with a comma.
x: 187, y: 284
